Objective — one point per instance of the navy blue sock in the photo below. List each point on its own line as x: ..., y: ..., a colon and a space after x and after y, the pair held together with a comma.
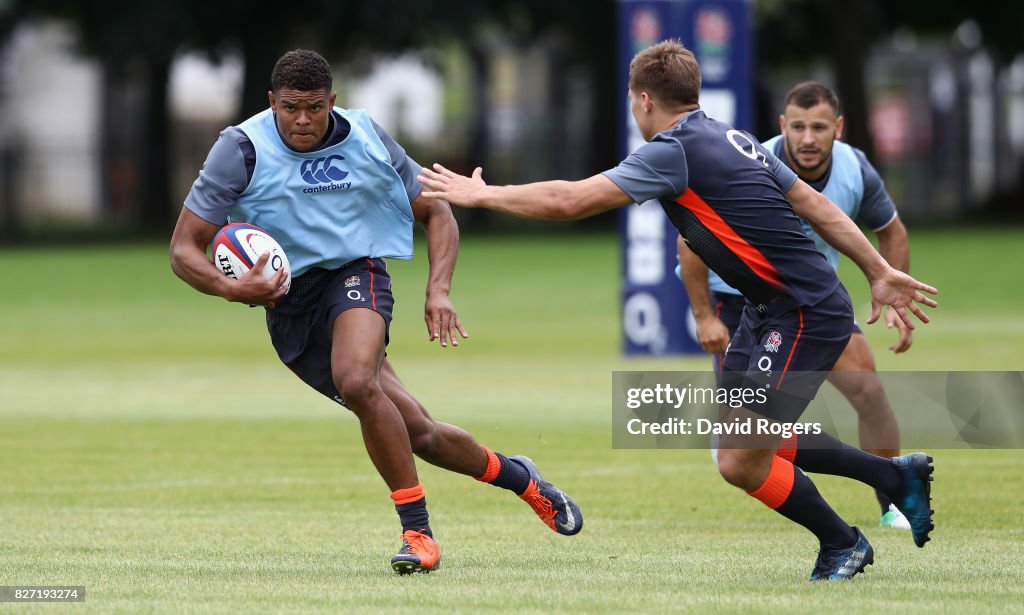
x: 414, y: 516
x: 789, y: 492
x: 883, y: 501
x: 823, y: 454
x: 505, y: 473
x: 806, y: 507
x: 411, y: 505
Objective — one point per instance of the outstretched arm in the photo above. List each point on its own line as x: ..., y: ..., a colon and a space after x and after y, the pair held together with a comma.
x: 550, y: 200
x: 712, y: 334
x: 442, y: 251
x: 888, y: 286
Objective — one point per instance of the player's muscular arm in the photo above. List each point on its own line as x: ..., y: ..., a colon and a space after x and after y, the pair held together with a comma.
x: 442, y: 241
x: 189, y: 262
x: 551, y: 200
x: 712, y: 334
x: 888, y: 286
x: 894, y: 246
x: 442, y: 233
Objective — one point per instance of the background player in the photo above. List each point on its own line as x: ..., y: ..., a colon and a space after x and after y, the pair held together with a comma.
x: 809, y: 144
x: 727, y: 195
x: 339, y: 195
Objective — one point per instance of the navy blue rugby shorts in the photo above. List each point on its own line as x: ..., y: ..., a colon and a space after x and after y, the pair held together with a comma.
x: 301, y: 325
x: 788, y: 350
x: 729, y: 309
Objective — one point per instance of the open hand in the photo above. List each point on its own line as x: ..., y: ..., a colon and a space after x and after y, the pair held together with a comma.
x: 901, y: 292
x: 442, y: 320
x: 442, y: 183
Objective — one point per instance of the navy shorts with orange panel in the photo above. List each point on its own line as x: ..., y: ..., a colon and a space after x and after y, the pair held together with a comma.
x: 302, y: 325
x: 788, y: 350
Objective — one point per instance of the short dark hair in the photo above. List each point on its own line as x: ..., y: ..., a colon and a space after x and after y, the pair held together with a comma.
x: 302, y: 70
x: 809, y: 93
x: 668, y: 72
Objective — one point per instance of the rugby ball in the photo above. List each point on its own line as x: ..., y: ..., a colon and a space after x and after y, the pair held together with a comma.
x: 236, y: 247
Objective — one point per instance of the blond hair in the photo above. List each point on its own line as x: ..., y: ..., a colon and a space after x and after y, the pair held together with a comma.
x: 668, y: 72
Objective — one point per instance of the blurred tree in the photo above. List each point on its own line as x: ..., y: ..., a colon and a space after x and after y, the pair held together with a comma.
x: 135, y: 42
x: 1000, y: 22
x: 261, y: 33
x: 797, y: 31
x: 589, y: 32
x: 335, y: 29
x: 10, y: 217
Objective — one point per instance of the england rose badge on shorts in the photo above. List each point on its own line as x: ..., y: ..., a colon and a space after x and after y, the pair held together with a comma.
x: 774, y: 341
x: 352, y: 280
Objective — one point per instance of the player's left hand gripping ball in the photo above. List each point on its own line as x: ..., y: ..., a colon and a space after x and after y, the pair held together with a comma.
x: 238, y: 246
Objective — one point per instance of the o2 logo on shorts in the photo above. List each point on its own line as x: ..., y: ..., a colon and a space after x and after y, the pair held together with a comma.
x: 765, y: 365
x: 355, y: 295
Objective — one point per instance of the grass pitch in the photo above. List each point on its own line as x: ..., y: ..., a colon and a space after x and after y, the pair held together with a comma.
x: 153, y: 450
